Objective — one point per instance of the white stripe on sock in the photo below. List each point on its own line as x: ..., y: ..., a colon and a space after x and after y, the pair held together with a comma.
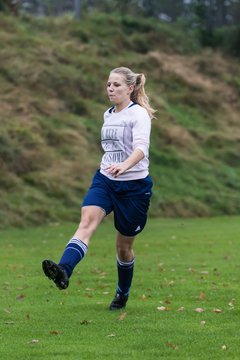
x: 122, y: 263
x: 80, y: 243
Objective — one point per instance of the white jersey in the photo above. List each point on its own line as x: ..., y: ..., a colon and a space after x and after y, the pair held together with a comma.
x: 122, y: 133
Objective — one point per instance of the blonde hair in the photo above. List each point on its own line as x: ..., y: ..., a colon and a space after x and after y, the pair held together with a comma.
x: 138, y: 95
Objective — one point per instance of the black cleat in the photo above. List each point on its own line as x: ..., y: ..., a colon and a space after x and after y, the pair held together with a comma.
x: 118, y: 302
x: 56, y: 273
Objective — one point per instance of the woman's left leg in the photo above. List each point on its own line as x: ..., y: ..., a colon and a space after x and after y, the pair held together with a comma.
x: 125, y: 266
x: 124, y: 247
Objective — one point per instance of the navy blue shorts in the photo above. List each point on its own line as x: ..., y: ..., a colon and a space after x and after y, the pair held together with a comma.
x: 129, y: 201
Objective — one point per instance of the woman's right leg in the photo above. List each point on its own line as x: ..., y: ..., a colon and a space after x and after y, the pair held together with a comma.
x: 91, y: 217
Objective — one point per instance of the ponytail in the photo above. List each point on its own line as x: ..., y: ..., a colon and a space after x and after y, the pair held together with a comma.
x: 138, y: 95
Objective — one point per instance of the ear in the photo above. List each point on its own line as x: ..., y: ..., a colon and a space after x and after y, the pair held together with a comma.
x: 131, y: 88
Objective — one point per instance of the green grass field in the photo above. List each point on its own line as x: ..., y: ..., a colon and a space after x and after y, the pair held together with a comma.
x: 181, y: 265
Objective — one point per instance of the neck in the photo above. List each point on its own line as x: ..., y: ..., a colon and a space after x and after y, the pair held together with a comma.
x: 123, y: 105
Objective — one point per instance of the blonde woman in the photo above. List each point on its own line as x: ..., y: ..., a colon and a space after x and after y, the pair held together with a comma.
x: 122, y: 185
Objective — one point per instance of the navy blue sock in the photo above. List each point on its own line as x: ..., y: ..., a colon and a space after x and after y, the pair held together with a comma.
x: 125, y: 275
x: 73, y: 253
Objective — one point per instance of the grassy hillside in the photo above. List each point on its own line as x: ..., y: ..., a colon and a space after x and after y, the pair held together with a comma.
x: 52, y: 94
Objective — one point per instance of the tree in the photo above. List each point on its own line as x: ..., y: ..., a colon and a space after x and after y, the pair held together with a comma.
x: 77, y: 9
x: 157, y: 8
x: 11, y: 6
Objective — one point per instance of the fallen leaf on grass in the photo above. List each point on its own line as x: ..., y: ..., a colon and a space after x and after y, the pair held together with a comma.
x: 103, y: 274
x: 85, y: 322
x: 111, y: 335
x: 224, y: 347
x: 216, y: 272
x: 20, y: 297
x: 202, y: 295
x: 160, y: 267
x: 144, y: 297
x: 199, y: 310
x: 170, y: 283
x: 217, y: 311
x: 202, y: 323
x: 34, y: 341
x: 122, y: 316
x: 55, y: 332
x: 163, y: 308
x: 7, y: 311
x: 172, y: 346
x: 231, y: 304
x: 181, y: 308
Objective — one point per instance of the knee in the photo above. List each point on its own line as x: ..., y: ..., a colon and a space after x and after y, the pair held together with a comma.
x: 125, y: 254
x: 87, y: 224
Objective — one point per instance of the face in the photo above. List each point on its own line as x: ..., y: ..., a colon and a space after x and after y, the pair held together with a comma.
x: 117, y: 89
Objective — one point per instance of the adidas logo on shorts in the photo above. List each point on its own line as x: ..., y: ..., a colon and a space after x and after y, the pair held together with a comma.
x: 138, y: 228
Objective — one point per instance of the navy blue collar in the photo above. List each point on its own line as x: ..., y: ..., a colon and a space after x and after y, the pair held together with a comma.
x: 113, y: 107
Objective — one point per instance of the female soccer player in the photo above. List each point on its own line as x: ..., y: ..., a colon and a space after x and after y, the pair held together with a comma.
x: 121, y: 185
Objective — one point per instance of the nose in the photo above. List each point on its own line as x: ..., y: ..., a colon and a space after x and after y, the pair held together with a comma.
x: 110, y: 92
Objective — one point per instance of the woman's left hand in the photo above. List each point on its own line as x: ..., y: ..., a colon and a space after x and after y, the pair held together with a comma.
x: 116, y: 169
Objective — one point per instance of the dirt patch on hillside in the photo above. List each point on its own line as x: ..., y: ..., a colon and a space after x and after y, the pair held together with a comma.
x: 202, y: 71
x: 210, y: 78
